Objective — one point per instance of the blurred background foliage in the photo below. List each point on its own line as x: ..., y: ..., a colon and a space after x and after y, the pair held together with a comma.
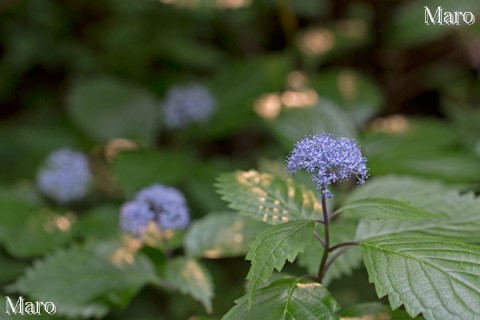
x: 92, y: 75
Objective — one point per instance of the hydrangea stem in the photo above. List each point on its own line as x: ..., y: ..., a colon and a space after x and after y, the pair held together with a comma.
x: 326, y: 223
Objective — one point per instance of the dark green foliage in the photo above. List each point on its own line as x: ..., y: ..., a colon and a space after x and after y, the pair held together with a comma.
x: 93, y: 76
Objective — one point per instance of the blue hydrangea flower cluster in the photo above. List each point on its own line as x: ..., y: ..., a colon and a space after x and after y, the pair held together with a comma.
x: 328, y: 159
x: 65, y: 176
x: 165, y: 206
x: 184, y: 105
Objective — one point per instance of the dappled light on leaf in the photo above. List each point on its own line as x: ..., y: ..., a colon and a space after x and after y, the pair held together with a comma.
x: 58, y: 222
x: 116, y: 146
x: 316, y: 41
x: 125, y: 253
x: 393, y: 124
x: 299, y: 99
x: 268, y: 106
x: 268, y: 198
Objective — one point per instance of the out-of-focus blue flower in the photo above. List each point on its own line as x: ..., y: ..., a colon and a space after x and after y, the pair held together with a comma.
x: 166, y: 206
x: 328, y: 159
x: 184, y: 105
x: 65, y: 176
x: 135, y: 217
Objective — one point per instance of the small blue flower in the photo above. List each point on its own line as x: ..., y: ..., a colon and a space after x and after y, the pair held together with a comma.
x: 328, y: 159
x: 135, y: 217
x: 184, y: 105
x: 166, y: 206
x: 65, y: 176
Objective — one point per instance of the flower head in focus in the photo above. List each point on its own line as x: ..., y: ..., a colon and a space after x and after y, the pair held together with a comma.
x: 65, y: 176
x: 184, y: 105
x: 328, y: 159
x: 165, y: 206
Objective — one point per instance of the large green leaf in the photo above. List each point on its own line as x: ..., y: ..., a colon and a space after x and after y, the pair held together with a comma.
x: 383, y: 208
x: 424, y: 148
x: 268, y: 198
x: 86, y: 280
x: 138, y: 169
x: 27, y: 230
x: 398, y: 187
x: 287, y: 299
x: 344, y: 264
x: 429, y: 275
x: 221, y: 235
x: 106, y: 108
x: 452, y: 216
x: 190, y: 277
x: 273, y: 247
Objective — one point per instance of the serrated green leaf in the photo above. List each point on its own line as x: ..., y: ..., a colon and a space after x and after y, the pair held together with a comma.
x: 190, y: 277
x: 346, y: 262
x: 27, y: 230
x: 268, y: 198
x: 138, y: 169
x: 84, y: 281
x: 287, y: 299
x: 273, y: 247
x: 433, y: 276
x: 383, y: 208
x: 454, y: 216
x: 221, y: 235
x: 107, y: 108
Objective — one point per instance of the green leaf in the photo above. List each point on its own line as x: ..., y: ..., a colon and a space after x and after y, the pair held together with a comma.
x: 374, y: 311
x: 101, y: 222
x: 346, y: 262
x: 268, y: 198
x: 10, y: 268
x: 398, y: 187
x: 107, y: 108
x: 409, y: 29
x: 428, y: 275
x: 454, y: 216
x: 287, y: 299
x: 354, y: 92
x: 86, y: 280
x: 190, y: 277
x: 138, y: 169
x: 293, y: 124
x: 27, y: 230
x: 221, y: 235
x: 235, y: 102
x: 273, y: 247
x: 424, y: 148
x: 383, y: 208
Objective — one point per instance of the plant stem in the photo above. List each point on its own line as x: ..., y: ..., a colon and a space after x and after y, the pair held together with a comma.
x: 334, y: 257
x: 319, y: 238
x: 321, y: 270
x: 343, y: 244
